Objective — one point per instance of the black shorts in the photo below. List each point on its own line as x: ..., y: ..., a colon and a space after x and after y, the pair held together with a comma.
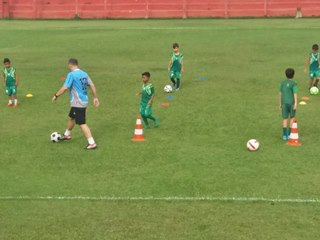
x: 79, y: 114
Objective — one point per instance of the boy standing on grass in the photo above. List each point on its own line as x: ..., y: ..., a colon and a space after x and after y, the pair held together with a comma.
x: 176, y: 67
x: 10, y: 82
x: 313, y: 64
x: 147, y: 96
x: 288, y: 98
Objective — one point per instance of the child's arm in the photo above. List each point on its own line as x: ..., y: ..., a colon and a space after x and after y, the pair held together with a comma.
x: 169, y: 66
x: 3, y: 80
x: 16, y: 76
x: 280, y: 100
x: 151, y: 100
x: 182, y: 66
x: 295, y: 101
x: 307, y: 64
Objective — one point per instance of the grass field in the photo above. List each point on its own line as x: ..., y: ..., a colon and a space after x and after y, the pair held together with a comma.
x: 198, y: 150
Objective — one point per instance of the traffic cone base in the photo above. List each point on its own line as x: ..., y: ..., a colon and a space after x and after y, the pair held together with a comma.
x: 294, y: 136
x: 138, y: 132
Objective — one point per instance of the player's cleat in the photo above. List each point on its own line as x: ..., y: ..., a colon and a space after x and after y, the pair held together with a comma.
x: 284, y: 138
x: 148, y: 126
x: 91, y: 146
x: 177, y: 89
x: 66, y: 137
x: 15, y: 104
x: 10, y: 104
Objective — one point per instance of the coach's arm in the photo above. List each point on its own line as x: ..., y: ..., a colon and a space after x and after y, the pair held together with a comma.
x: 94, y: 93
x: 59, y: 93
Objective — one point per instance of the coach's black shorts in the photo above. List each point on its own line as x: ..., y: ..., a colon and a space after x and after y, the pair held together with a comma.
x: 79, y: 114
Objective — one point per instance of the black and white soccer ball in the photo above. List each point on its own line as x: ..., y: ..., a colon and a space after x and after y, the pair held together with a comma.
x: 55, y: 137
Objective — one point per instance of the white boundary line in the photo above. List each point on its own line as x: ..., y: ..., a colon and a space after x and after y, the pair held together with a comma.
x: 165, y: 199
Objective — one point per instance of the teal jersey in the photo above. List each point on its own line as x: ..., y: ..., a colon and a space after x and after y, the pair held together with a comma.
x: 287, y: 89
x: 176, y: 61
x: 314, y: 62
x: 9, y: 75
x: 146, y: 93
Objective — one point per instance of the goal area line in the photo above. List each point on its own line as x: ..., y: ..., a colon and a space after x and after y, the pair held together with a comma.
x: 163, y: 199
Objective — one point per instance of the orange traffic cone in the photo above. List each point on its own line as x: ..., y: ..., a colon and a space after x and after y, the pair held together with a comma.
x: 294, y: 136
x: 138, y: 132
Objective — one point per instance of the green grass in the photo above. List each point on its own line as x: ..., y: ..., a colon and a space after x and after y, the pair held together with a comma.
x: 198, y: 150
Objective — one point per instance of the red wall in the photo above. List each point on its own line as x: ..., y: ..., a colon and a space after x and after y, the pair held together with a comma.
x: 155, y: 8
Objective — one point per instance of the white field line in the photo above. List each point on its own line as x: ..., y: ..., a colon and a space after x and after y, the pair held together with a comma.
x: 165, y: 199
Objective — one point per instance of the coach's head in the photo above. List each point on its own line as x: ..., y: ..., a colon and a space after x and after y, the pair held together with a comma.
x: 73, y: 64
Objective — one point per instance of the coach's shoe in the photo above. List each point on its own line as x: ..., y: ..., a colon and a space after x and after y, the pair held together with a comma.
x: 66, y: 137
x: 91, y: 146
x: 284, y: 138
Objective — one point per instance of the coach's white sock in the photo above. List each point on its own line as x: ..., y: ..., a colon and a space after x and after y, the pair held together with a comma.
x: 91, y: 141
x: 68, y: 132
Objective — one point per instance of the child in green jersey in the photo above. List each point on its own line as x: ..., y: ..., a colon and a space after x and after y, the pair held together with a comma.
x: 147, y: 96
x: 176, y: 66
x: 313, y: 64
x: 10, y: 82
x: 288, y: 98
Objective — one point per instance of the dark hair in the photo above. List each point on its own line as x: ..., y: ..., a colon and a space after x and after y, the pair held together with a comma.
x: 6, y: 60
x: 147, y: 74
x: 290, y: 73
x: 73, y: 61
x: 315, y: 47
x: 175, y: 45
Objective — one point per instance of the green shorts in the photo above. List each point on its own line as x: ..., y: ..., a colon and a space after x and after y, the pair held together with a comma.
x: 11, y: 90
x: 288, y: 111
x: 314, y: 74
x: 175, y: 74
x: 145, y: 110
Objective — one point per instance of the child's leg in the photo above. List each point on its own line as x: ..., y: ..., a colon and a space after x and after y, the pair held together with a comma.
x: 178, y: 83
x: 285, y: 129
x: 15, y: 100
x: 144, y: 116
x: 316, y: 82
x: 173, y: 82
x: 310, y: 83
x: 149, y: 115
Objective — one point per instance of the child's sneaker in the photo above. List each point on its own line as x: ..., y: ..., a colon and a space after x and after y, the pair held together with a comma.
x: 285, y: 138
x: 91, y: 146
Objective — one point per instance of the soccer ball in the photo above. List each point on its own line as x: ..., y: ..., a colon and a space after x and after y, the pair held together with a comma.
x: 314, y: 91
x: 253, y: 145
x: 55, y: 137
x: 167, y: 89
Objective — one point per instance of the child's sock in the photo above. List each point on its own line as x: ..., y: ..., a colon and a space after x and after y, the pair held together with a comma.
x: 178, y: 83
x: 284, y: 132
x: 173, y: 81
x: 145, y: 120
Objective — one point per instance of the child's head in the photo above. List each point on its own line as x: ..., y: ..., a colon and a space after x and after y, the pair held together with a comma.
x: 146, y: 77
x: 290, y: 73
x: 7, y: 62
x: 175, y: 47
x: 315, y: 48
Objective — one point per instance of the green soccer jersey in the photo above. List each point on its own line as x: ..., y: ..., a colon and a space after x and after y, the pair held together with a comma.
x: 314, y: 62
x: 287, y: 89
x: 176, y: 61
x: 10, y: 76
x: 146, y: 93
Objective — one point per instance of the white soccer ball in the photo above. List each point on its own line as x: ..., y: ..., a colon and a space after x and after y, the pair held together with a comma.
x: 314, y: 91
x: 167, y: 89
x: 253, y: 145
x: 55, y: 137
